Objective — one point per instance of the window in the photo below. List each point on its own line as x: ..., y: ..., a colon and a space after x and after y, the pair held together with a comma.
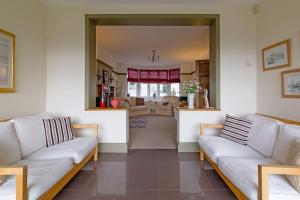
x: 163, y: 90
x: 144, y: 90
x: 153, y: 88
x: 147, y: 89
x: 175, y: 89
x: 132, y: 89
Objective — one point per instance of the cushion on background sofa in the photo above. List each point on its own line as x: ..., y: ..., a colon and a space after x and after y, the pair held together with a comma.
x: 139, y: 101
x: 42, y: 175
x: 287, y: 135
x: 30, y: 131
x: 216, y: 147
x: 263, y: 134
x: 9, y: 143
x: 75, y: 149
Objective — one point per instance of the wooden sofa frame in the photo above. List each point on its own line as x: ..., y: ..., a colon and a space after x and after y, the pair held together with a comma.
x: 263, y: 170
x: 21, y: 171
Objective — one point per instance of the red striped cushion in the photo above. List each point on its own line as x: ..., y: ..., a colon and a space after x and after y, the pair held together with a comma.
x: 58, y: 130
x: 236, y: 129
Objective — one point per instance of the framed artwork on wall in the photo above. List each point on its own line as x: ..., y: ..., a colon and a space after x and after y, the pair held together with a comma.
x: 277, y: 55
x: 290, y: 83
x: 105, y: 77
x: 7, y: 62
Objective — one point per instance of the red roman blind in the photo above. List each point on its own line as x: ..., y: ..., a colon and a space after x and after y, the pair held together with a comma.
x: 133, y: 75
x: 144, y: 76
x: 163, y: 76
x: 174, y: 75
x: 154, y: 76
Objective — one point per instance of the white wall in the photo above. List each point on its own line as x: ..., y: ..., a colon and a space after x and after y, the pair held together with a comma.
x: 66, y: 62
x: 277, y: 20
x: 66, y: 76
x: 189, y: 123
x: 26, y: 19
x: 106, y: 56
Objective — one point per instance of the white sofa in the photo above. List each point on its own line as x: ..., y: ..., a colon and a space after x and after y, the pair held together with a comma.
x: 34, y: 171
x: 257, y: 170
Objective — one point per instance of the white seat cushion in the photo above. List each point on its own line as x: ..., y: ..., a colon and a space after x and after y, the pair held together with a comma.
x: 244, y: 174
x: 31, y: 133
x: 216, y: 147
x: 42, y: 175
x: 75, y: 149
x: 287, y: 135
x: 9, y: 143
x: 263, y: 134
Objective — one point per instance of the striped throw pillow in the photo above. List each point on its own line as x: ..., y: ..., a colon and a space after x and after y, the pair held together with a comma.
x: 236, y: 129
x: 58, y: 130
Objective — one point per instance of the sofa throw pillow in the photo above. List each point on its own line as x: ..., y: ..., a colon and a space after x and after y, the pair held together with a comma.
x: 294, y: 159
x: 132, y: 101
x: 139, y: 101
x: 236, y: 129
x: 2, y: 163
x: 58, y: 130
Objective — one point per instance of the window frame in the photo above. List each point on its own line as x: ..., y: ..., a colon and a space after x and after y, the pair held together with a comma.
x: 138, y: 89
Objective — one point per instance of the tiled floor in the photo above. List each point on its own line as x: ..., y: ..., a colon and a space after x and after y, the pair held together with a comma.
x: 147, y: 175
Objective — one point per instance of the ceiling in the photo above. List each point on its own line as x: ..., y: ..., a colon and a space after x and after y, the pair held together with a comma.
x: 174, y: 44
x: 229, y: 3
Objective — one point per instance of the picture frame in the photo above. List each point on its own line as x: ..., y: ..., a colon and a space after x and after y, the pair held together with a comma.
x: 105, y: 77
x: 277, y: 55
x: 7, y: 61
x: 290, y: 83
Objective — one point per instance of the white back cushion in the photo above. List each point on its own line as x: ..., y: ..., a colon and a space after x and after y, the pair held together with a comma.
x: 9, y: 144
x: 263, y: 134
x: 30, y: 131
x: 287, y: 135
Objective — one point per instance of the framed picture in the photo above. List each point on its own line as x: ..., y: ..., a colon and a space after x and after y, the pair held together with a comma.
x: 277, y: 55
x: 105, y: 77
x: 7, y: 62
x: 290, y: 83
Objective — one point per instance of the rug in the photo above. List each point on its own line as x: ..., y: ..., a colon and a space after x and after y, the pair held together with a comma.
x: 137, y: 123
x: 160, y: 133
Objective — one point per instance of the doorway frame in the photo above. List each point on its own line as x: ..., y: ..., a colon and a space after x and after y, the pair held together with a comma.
x: 93, y: 20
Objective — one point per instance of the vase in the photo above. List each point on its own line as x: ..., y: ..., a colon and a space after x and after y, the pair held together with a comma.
x: 191, y: 97
x: 115, y: 103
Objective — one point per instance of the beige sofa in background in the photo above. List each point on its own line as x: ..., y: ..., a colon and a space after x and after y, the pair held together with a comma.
x: 135, y: 109
x: 166, y: 106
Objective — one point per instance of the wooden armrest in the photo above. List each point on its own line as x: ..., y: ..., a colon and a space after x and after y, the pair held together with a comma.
x: 205, y: 126
x: 11, y: 170
x: 21, y: 179
x: 263, y: 177
x: 88, y: 126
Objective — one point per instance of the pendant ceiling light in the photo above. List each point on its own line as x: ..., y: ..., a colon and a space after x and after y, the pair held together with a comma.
x: 154, y: 57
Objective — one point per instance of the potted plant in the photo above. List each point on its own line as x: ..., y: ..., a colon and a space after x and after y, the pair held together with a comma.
x: 191, y: 88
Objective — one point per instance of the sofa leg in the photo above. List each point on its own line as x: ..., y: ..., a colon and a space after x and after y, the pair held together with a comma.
x: 96, y: 155
x: 201, y: 154
x: 95, y: 159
